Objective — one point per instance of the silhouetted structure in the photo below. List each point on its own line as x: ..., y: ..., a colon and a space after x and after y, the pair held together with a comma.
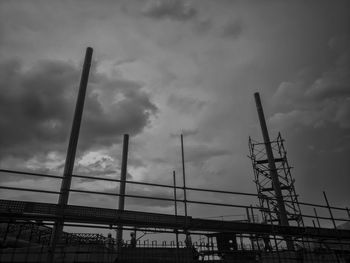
x: 33, y: 231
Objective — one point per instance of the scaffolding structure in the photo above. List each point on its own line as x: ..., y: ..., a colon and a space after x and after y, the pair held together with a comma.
x: 264, y: 184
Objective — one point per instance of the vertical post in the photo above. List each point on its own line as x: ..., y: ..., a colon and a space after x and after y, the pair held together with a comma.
x: 208, y: 240
x: 122, y: 187
x: 247, y: 212
x: 70, y: 158
x: 329, y: 209
x: 269, y: 211
x: 184, y: 174
x: 347, y: 210
x: 253, y: 220
x: 276, y: 246
x: 184, y: 183
x: 313, y: 222
x: 282, y: 214
x: 30, y: 243
x: 175, y: 206
x: 6, y: 232
x: 252, y: 211
x: 301, y: 215
x: 318, y: 221
x: 16, y: 241
x: 241, y: 241
x: 251, y: 236
x: 271, y: 161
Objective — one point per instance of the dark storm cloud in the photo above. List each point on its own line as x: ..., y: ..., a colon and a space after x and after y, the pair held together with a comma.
x: 172, y: 9
x: 37, y: 105
x: 34, y: 106
x: 130, y: 114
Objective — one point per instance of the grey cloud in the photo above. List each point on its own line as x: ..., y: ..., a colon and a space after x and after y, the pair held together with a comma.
x: 313, y: 110
x: 137, y: 190
x: 314, y: 101
x: 232, y: 29
x: 197, y: 154
x: 37, y: 106
x: 185, y: 132
x: 172, y: 9
x: 331, y: 84
x: 124, y: 61
x: 106, y: 167
x: 342, y: 115
x: 160, y: 160
x: 324, y: 165
x: 159, y: 193
x: 202, y: 153
x: 203, y: 26
x: 101, y: 167
x: 335, y: 81
x: 33, y: 106
x: 185, y: 104
x: 339, y: 43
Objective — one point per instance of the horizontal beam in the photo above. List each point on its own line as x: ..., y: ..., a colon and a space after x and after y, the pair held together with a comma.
x: 129, y: 182
x: 148, y: 184
x: 15, y: 210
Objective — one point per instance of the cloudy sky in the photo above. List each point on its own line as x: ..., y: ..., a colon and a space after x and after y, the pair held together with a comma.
x: 162, y: 68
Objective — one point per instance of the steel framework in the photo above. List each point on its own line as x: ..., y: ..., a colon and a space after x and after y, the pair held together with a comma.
x: 264, y: 184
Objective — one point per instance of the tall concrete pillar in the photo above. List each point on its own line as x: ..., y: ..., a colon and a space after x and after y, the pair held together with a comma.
x: 122, y: 186
x: 70, y: 157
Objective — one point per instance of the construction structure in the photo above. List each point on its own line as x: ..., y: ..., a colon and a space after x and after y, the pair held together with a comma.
x: 274, y: 230
x: 264, y: 183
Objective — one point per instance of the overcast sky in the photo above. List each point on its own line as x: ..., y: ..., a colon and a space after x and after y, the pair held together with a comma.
x: 162, y: 68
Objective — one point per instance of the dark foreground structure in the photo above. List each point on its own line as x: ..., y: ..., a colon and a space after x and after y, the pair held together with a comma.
x: 279, y: 229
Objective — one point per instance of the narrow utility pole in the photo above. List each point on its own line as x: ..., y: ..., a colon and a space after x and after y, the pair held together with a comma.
x: 184, y: 174
x: 122, y: 187
x: 175, y: 206
x: 184, y: 186
x: 70, y: 158
x: 281, y: 213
